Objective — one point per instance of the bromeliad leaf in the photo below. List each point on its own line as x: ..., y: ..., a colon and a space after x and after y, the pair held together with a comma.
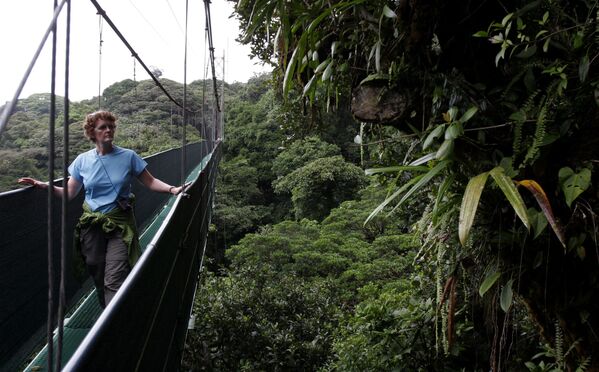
x: 488, y: 282
x: 506, y: 185
x: 425, y: 178
x: 470, y: 201
x: 440, y: 195
x: 386, y: 202
x: 397, y: 168
x: 289, y: 72
x: 424, y: 159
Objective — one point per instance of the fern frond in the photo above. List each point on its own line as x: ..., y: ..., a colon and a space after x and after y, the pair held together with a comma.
x: 517, y: 144
x: 527, y: 108
x: 539, y: 136
x: 559, y: 344
x: 530, y: 101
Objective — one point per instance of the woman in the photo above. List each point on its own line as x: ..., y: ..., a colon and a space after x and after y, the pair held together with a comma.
x: 106, y: 235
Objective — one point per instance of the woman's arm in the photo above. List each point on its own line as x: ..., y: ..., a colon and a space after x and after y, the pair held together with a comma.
x: 157, y: 185
x: 72, y: 185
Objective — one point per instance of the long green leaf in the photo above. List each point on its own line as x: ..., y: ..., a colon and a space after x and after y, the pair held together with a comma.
x: 308, y: 86
x: 440, y: 194
x: 326, y: 75
x: 422, y: 181
x: 322, y: 66
x: 424, y: 159
x: 381, y: 206
x: 506, y: 185
x: 470, y: 201
x: 397, y: 168
x: 289, y: 72
x: 318, y: 19
x: 377, y: 56
x: 507, y: 294
x: 488, y: 282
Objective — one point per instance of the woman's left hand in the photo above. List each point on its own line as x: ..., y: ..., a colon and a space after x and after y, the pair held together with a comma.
x: 176, y: 190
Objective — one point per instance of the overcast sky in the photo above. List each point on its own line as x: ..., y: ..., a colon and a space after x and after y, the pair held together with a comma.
x: 154, y: 28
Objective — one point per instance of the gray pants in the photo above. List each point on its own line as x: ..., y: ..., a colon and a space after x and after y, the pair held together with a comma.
x: 107, y: 260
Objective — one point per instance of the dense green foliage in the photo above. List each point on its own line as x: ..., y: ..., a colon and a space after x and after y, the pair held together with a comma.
x: 320, y: 185
x: 288, y: 301
x: 480, y: 119
x: 260, y: 153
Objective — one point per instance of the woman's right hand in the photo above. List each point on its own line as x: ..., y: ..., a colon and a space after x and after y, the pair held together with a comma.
x: 32, y: 182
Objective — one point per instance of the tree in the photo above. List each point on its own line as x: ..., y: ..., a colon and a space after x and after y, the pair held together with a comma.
x: 300, y: 153
x: 321, y: 185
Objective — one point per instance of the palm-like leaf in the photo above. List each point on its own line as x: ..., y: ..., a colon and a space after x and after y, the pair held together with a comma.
x: 469, y: 206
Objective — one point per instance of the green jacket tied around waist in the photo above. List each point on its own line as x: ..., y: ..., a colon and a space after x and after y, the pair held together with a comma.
x: 124, y: 221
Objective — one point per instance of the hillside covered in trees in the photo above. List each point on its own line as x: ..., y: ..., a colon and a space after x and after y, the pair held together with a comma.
x: 148, y: 123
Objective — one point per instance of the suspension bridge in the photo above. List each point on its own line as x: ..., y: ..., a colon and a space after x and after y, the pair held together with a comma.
x: 145, y: 325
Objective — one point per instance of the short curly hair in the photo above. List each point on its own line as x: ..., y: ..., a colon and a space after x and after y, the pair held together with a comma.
x: 90, y: 122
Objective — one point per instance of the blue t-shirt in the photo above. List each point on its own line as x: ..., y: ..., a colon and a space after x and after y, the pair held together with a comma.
x: 106, y: 178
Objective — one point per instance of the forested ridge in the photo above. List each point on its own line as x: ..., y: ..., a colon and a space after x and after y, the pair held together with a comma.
x: 147, y: 123
x: 414, y: 188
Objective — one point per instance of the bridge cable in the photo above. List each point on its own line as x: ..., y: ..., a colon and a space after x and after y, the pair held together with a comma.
x: 101, y: 41
x: 185, y: 118
x: 205, y: 68
x: 65, y: 193
x: 50, y: 223
x: 102, y: 12
x: 10, y: 107
x: 211, y: 46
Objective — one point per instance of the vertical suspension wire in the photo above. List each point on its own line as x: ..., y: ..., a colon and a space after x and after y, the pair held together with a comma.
x: 65, y: 194
x: 50, y: 226
x: 204, y: 124
x: 211, y: 48
x: 214, y: 86
x: 221, y: 128
x: 183, y: 139
x: 100, y: 42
